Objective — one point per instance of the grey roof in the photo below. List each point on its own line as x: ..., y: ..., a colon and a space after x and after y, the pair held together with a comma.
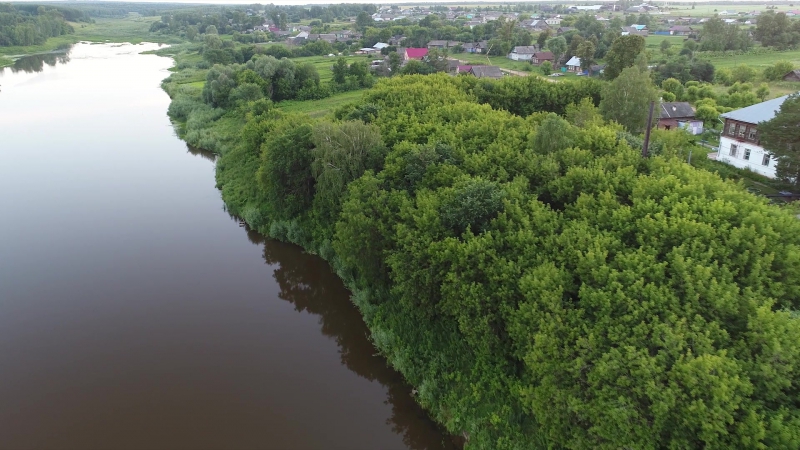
x: 527, y: 49
x: 670, y: 110
x: 487, y: 71
x: 759, y: 112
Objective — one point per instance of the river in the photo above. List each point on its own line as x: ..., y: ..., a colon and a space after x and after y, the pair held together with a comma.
x: 136, y: 313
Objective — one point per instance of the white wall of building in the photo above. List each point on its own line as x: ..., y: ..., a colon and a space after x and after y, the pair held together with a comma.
x: 520, y: 56
x: 746, y: 155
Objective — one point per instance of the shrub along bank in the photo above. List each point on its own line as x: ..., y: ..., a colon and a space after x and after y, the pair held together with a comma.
x: 541, y: 284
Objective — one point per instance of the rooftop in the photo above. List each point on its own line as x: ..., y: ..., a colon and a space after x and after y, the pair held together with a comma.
x: 760, y: 112
x: 670, y: 110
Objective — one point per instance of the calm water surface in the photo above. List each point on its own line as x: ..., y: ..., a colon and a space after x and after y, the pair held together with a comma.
x: 135, y: 313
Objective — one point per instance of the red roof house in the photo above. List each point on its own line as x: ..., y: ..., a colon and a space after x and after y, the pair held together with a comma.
x: 415, y: 53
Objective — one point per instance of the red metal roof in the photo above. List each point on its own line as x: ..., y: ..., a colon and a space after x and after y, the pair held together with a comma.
x: 416, y: 53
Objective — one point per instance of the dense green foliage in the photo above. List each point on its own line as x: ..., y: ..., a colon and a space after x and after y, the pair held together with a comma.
x: 623, y: 53
x: 718, y: 35
x: 32, y: 24
x: 537, y: 281
x: 776, y: 30
x: 780, y: 136
x: 261, y: 77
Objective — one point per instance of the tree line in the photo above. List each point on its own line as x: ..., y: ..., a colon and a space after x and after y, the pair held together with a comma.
x: 33, y: 24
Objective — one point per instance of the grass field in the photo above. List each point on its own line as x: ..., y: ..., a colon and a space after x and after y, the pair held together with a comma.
x: 134, y: 29
x: 709, y: 10
x: 324, y: 64
x: 500, y: 61
x: 758, y: 62
x: 653, y: 42
x: 320, y: 108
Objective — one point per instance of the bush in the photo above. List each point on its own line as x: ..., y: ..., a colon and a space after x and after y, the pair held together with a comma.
x: 776, y: 71
x: 724, y: 76
x: 743, y: 73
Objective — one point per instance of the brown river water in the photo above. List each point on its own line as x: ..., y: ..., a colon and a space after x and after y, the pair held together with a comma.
x: 135, y: 313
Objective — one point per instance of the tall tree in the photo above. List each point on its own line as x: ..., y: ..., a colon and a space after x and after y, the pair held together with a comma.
x: 622, y: 54
x: 557, y: 46
x: 542, y: 38
x: 586, y: 53
x: 364, y: 20
x: 781, y: 138
x: 627, y: 99
x: 776, y: 30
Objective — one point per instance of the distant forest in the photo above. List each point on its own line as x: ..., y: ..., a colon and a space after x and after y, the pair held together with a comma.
x: 25, y: 24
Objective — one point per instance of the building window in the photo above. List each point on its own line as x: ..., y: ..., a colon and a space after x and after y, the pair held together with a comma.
x: 734, y: 150
x: 751, y: 134
x: 732, y: 129
x: 765, y: 161
x: 747, y: 154
x: 742, y: 128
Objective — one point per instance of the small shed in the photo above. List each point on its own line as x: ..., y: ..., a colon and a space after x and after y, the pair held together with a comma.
x: 792, y: 76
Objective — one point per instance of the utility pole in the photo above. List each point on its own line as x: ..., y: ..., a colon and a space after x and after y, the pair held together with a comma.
x: 647, y: 130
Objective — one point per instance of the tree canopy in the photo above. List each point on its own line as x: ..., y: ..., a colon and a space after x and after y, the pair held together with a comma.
x: 780, y: 136
x: 538, y: 281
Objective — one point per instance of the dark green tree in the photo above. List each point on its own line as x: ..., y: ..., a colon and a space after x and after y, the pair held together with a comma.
x: 622, y: 54
x: 780, y: 136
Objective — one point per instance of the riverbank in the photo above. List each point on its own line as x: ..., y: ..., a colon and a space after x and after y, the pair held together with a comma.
x: 134, y: 29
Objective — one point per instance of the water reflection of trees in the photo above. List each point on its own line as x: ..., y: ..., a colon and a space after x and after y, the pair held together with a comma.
x: 36, y: 63
x: 308, y: 283
x: 205, y: 154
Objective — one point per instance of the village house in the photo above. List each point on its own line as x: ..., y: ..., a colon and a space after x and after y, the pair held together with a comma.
x: 562, y: 30
x: 739, y: 145
x: 540, y: 57
x: 475, y: 47
x: 452, y: 65
x: 574, y: 65
x: 553, y: 21
x: 442, y: 45
x: 639, y: 30
x: 539, y: 25
x: 792, y: 76
x: 676, y: 115
x: 680, y: 30
x: 463, y: 69
x: 522, y: 53
x: 486, y: 72
x: 414, y: 53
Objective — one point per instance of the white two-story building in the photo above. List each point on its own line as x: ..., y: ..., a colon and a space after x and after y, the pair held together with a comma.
x: 739, y: 145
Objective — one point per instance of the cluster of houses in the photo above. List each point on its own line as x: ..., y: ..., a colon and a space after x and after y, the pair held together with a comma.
x: 739, y: 143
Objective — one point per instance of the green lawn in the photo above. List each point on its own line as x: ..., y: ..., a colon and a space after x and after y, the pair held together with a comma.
x: 653, y: 42
x: 319, y: 108
x: 500, y: 61
x: 324, y: 63
x: 756, y: 61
